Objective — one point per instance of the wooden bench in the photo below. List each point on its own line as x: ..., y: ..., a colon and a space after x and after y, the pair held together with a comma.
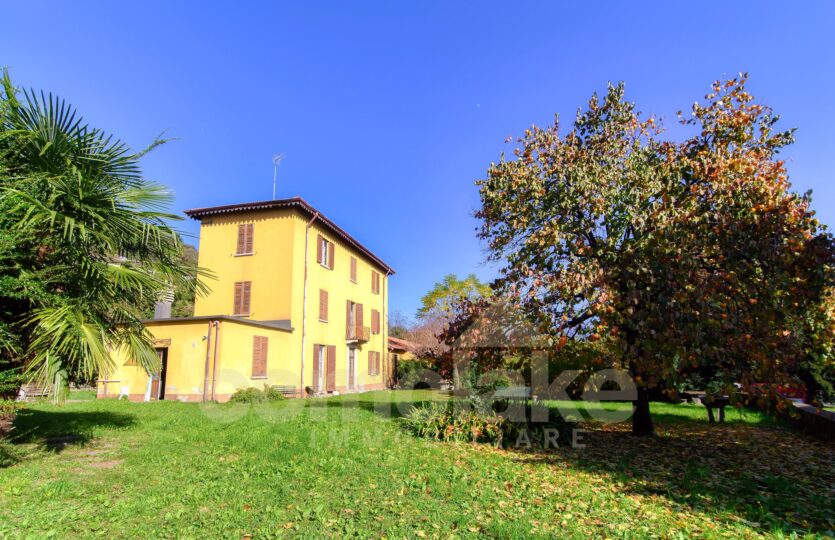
x: 710, y: 402
x: 513, y: 392
x: 30, y: 391
x: 287, y: 391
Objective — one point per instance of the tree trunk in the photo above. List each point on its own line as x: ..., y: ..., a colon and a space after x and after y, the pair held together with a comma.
x: 456, y: 376
x: 641, y: 418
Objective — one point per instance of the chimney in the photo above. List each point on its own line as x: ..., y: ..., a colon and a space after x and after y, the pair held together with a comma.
x: 162, y: 308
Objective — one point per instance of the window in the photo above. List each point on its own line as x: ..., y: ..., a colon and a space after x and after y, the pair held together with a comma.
x: 242, y: 296
x: 354, y: 320
x: 244, y: 239
x: 324, y: 252
x: 354, y: 269
x: 323, y: 305
x: 259, y: 357
x: 373, y: 363
x: 375, y: 321
x: 375, y: 282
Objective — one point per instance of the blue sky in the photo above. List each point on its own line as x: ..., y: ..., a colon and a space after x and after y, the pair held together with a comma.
x: 388, y: 111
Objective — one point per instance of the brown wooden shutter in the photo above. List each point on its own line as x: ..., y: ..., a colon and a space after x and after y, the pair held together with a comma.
x: 265, y: 347
x: 358, y: 321
x: 353, y: 269
x: 348, y: 319
x: 236, y: 303
x: 246, y: 291
x: 248, y: 228
x: 323, y: 305
x: 331, y: 249
x: 264, y: 353
x: 371, y: 362
x: 241, y: 239
x: 331, y: 371
x: 256, y: 354
x: 260, y: 346
x: 316, y: 366
x: 319, y: 248
x: 375, y: 321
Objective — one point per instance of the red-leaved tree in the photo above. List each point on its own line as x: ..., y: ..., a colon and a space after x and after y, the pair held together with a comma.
x: 685, y: 255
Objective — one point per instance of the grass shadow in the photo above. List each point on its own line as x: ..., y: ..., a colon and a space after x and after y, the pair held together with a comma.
x: 754, y: 468
x: 769, y: 477
x: 383, y: 403
x: 55, y: 430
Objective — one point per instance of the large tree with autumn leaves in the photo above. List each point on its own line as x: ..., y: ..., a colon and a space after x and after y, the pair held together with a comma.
x: 684, y: 256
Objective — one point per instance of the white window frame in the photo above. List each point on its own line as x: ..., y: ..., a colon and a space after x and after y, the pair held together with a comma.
x: 325, y: 253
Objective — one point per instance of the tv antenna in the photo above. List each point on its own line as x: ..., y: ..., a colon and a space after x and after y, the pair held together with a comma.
x: 276, y: 162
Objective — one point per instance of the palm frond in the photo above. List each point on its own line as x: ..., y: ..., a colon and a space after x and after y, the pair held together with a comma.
x: 94, y: 234
x: 70, y: 338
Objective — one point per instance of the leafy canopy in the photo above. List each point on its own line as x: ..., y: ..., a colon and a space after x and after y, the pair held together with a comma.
x: 85, y: 242
x: 686, y: 255
x: 441, y: 299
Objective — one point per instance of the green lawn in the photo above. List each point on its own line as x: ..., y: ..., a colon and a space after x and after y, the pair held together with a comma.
x: 342, y: 467
x: 82, y: 395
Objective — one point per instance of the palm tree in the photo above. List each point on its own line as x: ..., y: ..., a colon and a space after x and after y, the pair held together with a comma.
x: 87, y: 241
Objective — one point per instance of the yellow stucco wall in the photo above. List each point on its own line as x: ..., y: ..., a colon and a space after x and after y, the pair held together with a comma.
x: 187, y: 345
x: 276, y: 271
x: 405, y: 356
x: 269, y: 268
x: 234, y: 369
x: 186, y: 363
x: 340, y: 289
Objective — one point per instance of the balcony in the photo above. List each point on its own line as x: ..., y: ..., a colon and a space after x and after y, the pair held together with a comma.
x: 358, y: 333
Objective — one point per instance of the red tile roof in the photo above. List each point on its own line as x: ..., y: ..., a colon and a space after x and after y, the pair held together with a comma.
x: 402, y: 344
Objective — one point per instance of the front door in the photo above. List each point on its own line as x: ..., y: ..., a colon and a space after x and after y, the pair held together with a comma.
x: 158, y: 379
x: 352, y: 368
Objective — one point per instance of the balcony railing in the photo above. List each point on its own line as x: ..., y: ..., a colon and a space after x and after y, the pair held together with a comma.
x: 358, y: 333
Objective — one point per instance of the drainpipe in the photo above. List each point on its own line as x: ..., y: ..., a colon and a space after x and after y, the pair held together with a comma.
x: 304, y: 300
x: 214, y: 357
x: 385, y: 324
x: 206, y: 370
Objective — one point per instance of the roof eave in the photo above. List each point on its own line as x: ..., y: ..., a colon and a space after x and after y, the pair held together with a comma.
x: 297, y: 202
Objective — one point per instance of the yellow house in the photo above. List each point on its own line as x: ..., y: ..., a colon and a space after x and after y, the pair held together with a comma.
x: 298, y: 303
x: 401, y: 349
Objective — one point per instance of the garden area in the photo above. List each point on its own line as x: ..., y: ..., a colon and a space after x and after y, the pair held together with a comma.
x: 657, y: 266
x: 346, y: 467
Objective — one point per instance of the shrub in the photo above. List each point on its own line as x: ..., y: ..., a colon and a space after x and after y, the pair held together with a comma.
x: 254, y: 395
x: 8, y: 407
x: 444, y: 422
x: 460, y: 422
x: 412, y: 373
x: 10, y: 380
